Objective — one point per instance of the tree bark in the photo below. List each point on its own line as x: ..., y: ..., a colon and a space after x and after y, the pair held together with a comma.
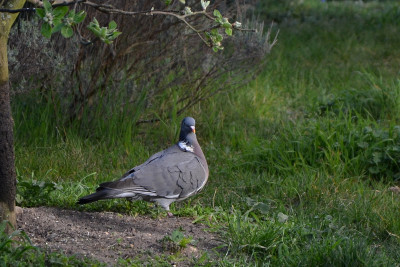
x: 7, y: 167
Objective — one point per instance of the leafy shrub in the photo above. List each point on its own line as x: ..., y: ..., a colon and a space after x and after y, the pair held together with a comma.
x: 380, y: 150
x: 34, y: 192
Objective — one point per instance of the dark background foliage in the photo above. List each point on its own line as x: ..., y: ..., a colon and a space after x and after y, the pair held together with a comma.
x: 157, y: 68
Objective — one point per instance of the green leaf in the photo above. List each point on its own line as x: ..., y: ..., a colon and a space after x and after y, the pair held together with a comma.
x: 47, y: 6
x: 19, y: 199
x: 103, y: 32
x: 228, y: 31
x: 95, y: 22
x: 377, y: 157
x: 40, y: 12
x: 112, y: 25
x: 374, y: 170
x: 217, y: 14
x: 59, y: 12
x: 362, y: 144
x: 58, y: 186
x: 67, y: 31
x: 167, y: 2
x: 227, y: 25
x: 262, y: 207
x: 46, y: 30
x: 78, y: 18
x: 215, y: 49
x: 94, y: 27
x: 177, y: 236
x: 219, y: 37
x: 282, y: 218
x: 116, y: 34
x: 57, y: 26
x: 395, y: 148
x: 367, y: 129
x: 94, y: 31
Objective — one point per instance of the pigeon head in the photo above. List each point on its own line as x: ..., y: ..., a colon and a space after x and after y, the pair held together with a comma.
x: 187, y: 127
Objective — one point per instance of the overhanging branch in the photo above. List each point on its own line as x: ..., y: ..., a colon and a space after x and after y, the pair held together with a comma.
x: 39, y: 4
x: 112, y: 10
x: 208, y: 35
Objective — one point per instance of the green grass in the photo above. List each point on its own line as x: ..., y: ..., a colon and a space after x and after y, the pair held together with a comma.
x: 314, y: 138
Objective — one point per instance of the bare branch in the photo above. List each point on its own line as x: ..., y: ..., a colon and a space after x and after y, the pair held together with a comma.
x: 110, y: 9
x: 39, y: 4
x: 12, y: 11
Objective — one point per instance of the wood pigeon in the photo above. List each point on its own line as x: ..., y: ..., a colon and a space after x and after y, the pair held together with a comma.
x: 170, y: 175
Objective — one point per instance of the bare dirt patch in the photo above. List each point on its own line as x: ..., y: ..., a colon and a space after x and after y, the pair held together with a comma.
x: 107, y: 236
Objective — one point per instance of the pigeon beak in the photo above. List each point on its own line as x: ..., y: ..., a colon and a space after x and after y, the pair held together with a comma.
x: 193, y: 129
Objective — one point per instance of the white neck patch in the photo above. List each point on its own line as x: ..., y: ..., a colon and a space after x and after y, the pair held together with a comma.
x: 184, y: 146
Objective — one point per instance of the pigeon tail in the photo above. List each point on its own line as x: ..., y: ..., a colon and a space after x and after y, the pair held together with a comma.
x: 101, y: 194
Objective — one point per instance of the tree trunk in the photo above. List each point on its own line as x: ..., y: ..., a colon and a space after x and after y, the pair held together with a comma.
x: 7, y: 167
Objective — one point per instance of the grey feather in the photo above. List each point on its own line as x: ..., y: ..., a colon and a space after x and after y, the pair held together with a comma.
x: 170, y: 175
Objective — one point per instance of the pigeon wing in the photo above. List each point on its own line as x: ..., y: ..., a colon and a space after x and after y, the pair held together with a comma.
x: 170, y: 174
x: 174, y: 175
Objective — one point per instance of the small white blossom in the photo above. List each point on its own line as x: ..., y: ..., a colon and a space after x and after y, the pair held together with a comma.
x: 237, y: 24
x: 204, y: 4
x: 188, y: 11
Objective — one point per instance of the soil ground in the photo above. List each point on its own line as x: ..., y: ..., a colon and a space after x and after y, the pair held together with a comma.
x: 107, y: 236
